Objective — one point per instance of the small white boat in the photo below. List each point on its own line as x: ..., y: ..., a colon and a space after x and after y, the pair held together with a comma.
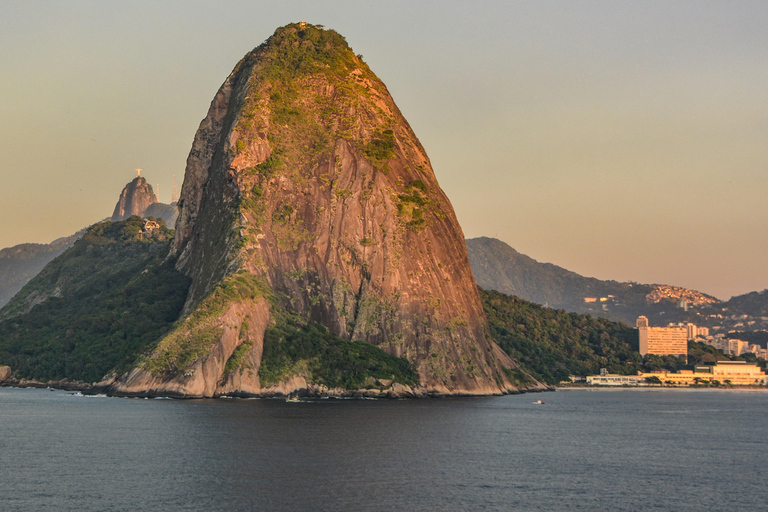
x: 538, y: 402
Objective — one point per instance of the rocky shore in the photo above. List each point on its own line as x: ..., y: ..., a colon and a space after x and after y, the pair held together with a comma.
x: 294, y: 387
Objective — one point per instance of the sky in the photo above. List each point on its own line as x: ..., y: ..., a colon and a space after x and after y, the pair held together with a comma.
x: 622, y: 140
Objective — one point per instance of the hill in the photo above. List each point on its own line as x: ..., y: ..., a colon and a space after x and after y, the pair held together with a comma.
x: 753, y: 304
x: 497, y: 266
x: 96, y: 307
x: 320, y: 252
x: 554, y: 344
x: 138, y: 198
x: 20, y: 263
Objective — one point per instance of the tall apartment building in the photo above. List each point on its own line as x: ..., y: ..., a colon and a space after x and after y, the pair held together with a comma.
x: 663, y: 341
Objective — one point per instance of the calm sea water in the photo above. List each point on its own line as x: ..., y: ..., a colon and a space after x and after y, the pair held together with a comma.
x: 582, y: 450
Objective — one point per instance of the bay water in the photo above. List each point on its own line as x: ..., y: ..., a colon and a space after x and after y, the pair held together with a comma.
x: 621, y: 449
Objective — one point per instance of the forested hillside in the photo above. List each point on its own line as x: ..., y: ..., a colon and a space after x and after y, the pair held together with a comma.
x: 96, y: 307
x: 553, y: 344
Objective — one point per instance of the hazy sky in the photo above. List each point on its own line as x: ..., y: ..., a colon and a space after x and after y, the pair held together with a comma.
x: 620, y: 140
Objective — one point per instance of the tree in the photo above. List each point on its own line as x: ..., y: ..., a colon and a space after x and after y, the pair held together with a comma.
x: 653, y: 380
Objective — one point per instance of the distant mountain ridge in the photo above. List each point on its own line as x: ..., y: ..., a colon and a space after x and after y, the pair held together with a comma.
x: 20, y: 263
x: 497, y: 266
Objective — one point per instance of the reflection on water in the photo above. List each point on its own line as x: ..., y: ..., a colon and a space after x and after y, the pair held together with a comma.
x: 607, y: 449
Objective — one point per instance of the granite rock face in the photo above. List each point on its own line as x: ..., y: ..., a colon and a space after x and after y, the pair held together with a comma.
x: 305, y: 174
x: 134, y: 199
x: 138, y: 198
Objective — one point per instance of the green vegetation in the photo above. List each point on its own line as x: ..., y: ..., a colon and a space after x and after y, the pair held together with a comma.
x: 701, y: 353
x: 266, y: 170
x: 292, y: 347
x: 109, y: 298
x: 235, y: 361
x: 654, y: 363
x: 380, y: 149
x: 753, y: 304
x: 192, y: 338
x: 517, y: 377
x: 653, y: 380
x: 284, y: 70
x: 754, y: 337
x: 413, y: 205
x: 552, y: 344
x: 288, y: 228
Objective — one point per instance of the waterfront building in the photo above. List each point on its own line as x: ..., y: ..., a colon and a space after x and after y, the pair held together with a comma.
x: 611, y: 379
x: 663, y: 341
x: 737, y: 373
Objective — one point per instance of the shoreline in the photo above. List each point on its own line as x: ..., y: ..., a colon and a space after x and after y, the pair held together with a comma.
x: 417, y: 393
x: 685, y: 388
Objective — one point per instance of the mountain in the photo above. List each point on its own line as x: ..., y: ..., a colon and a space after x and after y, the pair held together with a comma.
x: 134, y: 199
x: 20, y: 263
x: 497, y: 266
x: 320, y: 252
x: 167, y: 212
x: 138, y: 198
x: 553, y: 344
x: 95, y: 308
x: 753, y: 304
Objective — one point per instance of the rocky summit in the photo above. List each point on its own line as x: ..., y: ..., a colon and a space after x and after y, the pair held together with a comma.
x: 138, y: 198
x: 309, y: 201
x: 135, y: 198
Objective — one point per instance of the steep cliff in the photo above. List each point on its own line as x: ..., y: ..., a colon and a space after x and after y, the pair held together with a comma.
x: 308, y: 199
x: 134, y: 199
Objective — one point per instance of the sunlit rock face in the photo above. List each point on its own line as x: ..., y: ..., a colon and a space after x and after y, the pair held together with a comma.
x: 135, y: 198
x: 305, y: 174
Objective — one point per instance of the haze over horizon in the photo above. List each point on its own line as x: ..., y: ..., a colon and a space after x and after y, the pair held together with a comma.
x: 619, y: 140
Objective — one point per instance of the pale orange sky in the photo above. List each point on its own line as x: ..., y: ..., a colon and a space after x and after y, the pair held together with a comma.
x: 620, y: 140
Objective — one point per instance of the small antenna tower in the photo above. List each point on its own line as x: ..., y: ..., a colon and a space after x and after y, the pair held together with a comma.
x: 174, y: 195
